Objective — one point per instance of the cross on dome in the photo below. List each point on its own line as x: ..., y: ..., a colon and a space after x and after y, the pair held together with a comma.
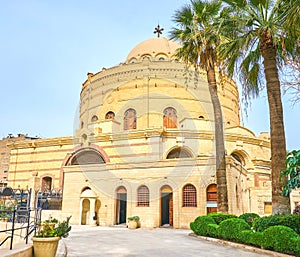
x: 158, y: 30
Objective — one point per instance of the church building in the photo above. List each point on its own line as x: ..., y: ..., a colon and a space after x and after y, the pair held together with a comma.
x: 144, y: 146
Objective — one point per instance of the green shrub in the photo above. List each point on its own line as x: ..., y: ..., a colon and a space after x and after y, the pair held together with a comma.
x: 295, y: 243
x: 278, y: 238
x: 231, y: 229
x: 219, y: 216
x: 249, y: 218
x: 291, y: 220
x: 200, y: 225
x: 251, y: 238
x: 212, y: 230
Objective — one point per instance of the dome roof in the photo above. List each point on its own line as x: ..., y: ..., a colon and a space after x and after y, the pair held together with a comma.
x: 153, y: 47
x: 88, y: 194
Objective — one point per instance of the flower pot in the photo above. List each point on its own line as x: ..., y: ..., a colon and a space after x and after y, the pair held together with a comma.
x: 45, y: 246
x: 132, y: 224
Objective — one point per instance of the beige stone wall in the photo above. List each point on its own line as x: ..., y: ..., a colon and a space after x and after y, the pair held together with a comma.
x: 44, y: 157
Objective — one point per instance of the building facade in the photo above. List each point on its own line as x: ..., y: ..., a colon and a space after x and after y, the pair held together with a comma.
x: 145, y: 147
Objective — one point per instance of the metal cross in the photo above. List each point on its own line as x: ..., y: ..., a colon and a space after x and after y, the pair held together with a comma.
x: 158, y: 30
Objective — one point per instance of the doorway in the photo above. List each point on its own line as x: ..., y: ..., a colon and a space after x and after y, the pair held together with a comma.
x: 166, y: 203
x: 211, y: 198
x: 121, y: 205
x: 85, y: 212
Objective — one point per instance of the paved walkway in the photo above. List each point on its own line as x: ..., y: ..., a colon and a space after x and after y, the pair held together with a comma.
x: 87, y: 241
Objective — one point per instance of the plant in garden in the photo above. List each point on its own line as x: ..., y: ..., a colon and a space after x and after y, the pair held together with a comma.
x: 292, y: 172
x: 231, y: 229
x: 200, y: 225
x: 249, y: 218
x: 219, y: 216
x: 278, y: 238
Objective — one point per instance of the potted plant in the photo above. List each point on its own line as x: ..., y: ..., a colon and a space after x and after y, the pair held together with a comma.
x: 45, y: 241
x: 133, y: 222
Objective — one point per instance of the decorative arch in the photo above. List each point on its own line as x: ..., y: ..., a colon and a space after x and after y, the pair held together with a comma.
x: 94, y: 118
x: 189, y: 196
x: 170, y: 118
x: 86, y: 156
x: 179, y: 152
x: 240, y: 156
x: 46, y: 183
x: 130, y: 119
x: 110, y: 115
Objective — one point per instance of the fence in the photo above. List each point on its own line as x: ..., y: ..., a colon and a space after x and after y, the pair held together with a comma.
x: 19, y: 220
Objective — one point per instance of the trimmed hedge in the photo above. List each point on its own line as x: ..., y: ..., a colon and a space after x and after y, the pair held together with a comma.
x: 251, y: 238
x: 231, y: 229
x: 291, y: 220
x: 212, y: 230
x: 200, y: 225
x: 274, y: 237
x: 219, y: 216
x: 295, y: 244
x: 278, y: 238
x: 249, y: 218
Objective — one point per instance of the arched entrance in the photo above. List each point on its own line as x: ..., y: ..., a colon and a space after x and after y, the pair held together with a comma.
x: 166, y: 206
x: 85, y: 214
x: 211, y: 198
x: 90, y: 206
x: 121, y: 205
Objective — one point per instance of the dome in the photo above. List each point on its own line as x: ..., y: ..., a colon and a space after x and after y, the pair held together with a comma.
x: 88, y: 194
x: 154, y: 47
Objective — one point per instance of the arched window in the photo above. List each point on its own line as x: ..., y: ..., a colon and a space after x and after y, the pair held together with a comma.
x: 178, y: 153
x: 238, y: 158
x: 46, y: 183
x: 143, y: 196
x: 87, y: 157
x: 130, y: 119
x: 110, y: 115
x: 189, y: 198
x: 94, y: 118
x: 170, y: 118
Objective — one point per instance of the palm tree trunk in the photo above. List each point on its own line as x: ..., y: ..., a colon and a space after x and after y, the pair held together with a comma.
x: 219, y: 139
x: 280, y: 204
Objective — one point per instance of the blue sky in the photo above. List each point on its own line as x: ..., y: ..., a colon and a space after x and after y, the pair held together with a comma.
x: 48, y: 46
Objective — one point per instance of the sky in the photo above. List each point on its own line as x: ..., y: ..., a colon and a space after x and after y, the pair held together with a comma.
x: 47, y: 47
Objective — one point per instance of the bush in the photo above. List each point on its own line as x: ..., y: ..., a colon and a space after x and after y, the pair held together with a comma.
x: 219, y: 216
x: 200, y: 225
x: 278, y: 238
x: 251, y: 238
x: 295, y: 243
x: 291, y: 220
x: 212, y: 230
x: 249, y: 218
x: 231, y: 229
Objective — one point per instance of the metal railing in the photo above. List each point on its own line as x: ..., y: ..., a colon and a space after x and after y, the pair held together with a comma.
x: 20, y: 220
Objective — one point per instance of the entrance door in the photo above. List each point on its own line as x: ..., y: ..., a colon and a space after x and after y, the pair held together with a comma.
x: 211, y: 198
x: 121, y: 205
x: 166, y: 206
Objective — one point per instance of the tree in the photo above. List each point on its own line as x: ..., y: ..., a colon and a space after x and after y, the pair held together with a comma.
x: 292, y: 172
x: 256, y: 48
x: 197, y: 32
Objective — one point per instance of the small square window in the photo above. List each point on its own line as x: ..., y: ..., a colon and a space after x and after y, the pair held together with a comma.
x: 268, y: 208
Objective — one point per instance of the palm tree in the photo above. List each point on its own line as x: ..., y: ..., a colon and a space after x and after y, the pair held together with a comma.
x: 195, y: 30
x: 256, y: 48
